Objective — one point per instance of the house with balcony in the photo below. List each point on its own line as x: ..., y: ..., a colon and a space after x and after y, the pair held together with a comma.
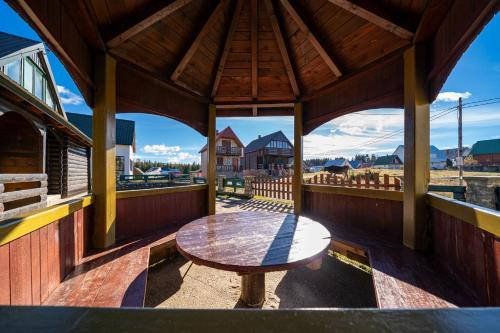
x: 229, y: 151
x: 43, y: 157
x: 272, y: 152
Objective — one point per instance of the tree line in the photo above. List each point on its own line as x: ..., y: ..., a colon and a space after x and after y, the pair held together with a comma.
x: 144, y: 165
x: 363, y: 158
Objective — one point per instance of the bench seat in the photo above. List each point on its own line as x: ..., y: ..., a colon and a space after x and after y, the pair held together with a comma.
x: 115, y: 277
x: 402, y: 278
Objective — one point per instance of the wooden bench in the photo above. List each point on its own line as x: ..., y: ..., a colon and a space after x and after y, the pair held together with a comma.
x: 402, y: 278
x: 115, y: 277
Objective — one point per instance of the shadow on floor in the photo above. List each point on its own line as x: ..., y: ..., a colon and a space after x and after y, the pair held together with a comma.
x: 230, y: 204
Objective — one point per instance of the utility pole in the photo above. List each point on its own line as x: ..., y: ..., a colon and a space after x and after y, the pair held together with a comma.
x: 460, y: 159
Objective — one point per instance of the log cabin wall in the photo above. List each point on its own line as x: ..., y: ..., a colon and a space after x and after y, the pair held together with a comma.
x: 142, y: 212
x: 380, y: 216
x: 467, y: 254
x: 33, y: 265
x: 54, y: 162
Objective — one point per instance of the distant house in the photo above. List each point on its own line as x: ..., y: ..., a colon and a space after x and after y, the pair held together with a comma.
x: 355, y: 164
x: 339, y: 162
x: 437, y: 157
x: 270, y: 152
x: 487, y: 153
x: 229, y: 152
x: 451, y: 154
x: 125, y: 140
x: 388, y: 162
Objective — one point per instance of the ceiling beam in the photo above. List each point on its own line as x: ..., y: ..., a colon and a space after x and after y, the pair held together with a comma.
x: 282, y: 47
x: 312, y: 39
x: 227, y: 46
x: 254, y: 42
x: 254, y: 105
x: 373, y: 17
x: 197, y: 42
x: 145, y: 23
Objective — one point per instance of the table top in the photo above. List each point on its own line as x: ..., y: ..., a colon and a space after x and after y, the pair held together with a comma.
x: 253, y: 242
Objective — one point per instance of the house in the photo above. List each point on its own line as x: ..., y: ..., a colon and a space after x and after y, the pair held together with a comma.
x: 355, y: 164
x: 388, y: 162
x: 451, y: 154
x: 487, y: 154
x: 229, y: 151
x: 271, y: 152
x: 38, y: 143
x: 125, y: 140
x: 338, y: 162
x: 437, y: 157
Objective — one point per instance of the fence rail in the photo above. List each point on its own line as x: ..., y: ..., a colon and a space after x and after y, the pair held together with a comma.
x: 272, y: 187
x: 373, y: 180
x: 21, y: 194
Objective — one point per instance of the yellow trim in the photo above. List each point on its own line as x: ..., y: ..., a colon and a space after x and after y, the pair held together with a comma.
x: 355, y: 192
x: 159, y: 191
x: 15, y: 228
x: 482, y: 218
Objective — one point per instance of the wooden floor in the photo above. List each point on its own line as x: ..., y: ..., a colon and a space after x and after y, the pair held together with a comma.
x: 113, y: 278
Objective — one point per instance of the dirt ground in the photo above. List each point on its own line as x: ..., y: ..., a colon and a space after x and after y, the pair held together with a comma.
x: 177, y: 283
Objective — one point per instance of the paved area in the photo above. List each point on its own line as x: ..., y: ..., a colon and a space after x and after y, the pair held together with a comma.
x: 177, y: 283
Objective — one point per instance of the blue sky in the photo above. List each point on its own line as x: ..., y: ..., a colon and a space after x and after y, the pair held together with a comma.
x: 476, y: 77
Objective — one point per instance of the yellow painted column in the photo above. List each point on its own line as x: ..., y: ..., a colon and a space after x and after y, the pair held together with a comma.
x: 103, y: 153
x: 211, y: 158
x: 297, y: 159
x: 416, y: 160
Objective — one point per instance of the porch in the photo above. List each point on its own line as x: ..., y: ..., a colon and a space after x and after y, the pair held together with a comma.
x: 424, y: 251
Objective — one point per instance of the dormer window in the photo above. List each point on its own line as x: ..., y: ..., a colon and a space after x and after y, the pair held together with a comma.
x: 13, y: 70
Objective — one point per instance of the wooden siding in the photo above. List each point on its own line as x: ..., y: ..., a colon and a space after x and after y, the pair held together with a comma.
x: 469, y: 255
x: 32, y: 266
x: 380, y: 216
x: 142, y: 215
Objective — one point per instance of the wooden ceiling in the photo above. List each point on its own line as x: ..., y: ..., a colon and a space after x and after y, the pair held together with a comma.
x: 337, y: 56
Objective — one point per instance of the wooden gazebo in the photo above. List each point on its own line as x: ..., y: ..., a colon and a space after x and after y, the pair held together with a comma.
x: 194, y: 60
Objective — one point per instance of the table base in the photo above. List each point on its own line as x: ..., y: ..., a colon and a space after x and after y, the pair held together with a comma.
x: 253, y: 289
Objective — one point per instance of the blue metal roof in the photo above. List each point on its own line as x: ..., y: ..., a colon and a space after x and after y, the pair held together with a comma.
x: 261, y: 142
x: 10, y: 44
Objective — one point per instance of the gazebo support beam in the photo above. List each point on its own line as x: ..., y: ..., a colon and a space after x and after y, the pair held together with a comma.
x: 212, y: 112
x: 254, y: 45
x: 297, y: 158
x: 417, y: 155
x: 104, y: 154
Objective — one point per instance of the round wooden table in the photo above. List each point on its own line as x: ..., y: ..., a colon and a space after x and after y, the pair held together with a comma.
x: 253, y: 243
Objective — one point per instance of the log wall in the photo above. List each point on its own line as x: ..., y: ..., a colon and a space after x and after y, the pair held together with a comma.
x: 158, y: 209
x: 380, y: 216
x: 468, y: 254
x: 32, y: 266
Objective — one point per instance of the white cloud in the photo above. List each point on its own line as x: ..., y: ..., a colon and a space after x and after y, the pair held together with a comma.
x: 161, y: 149
x: 451, y: 96
x: 68, y: 97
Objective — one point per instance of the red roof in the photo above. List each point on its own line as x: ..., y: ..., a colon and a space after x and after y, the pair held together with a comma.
x: 227, y: 133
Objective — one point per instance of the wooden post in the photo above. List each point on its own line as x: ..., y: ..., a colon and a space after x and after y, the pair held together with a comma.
x: 416, y: 166
x: 104, y: 155
x: 253, y: 289
x: 297, y: 159
x: 211, y: 158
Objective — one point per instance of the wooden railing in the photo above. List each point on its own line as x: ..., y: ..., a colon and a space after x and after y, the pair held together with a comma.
x: 360, y: 181
x: 229, y: 168
x: 21, y: 194
x: 233, y: 151
x: 271, y: 187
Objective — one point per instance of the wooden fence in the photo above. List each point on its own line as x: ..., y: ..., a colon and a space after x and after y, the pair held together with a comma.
x: 22, y: 193
x: 271, y: 187
x: 373, y: 180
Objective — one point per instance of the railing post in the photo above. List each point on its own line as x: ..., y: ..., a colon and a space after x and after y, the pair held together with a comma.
x: 211, y: 158
x: 416, y: 166
x: 104, y: 155
x: 297, y: 159
x: 249, y: 181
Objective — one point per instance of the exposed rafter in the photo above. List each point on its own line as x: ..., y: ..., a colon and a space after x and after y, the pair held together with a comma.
x: 196, y: 43
x: 312, y: 39
x: 147, y: 22
x: 227, y: 45
x: 253, y: 37
x: 373, y: 17
x: 282, y: 47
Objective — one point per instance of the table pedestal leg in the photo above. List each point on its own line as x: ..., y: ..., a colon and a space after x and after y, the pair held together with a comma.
x: 253, y: 288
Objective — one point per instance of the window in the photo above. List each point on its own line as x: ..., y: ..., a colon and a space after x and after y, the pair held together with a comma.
x: 120, y: 164
x: 28, y: 76
x: 13, y: 70
x: 48, y: 98
x: 38, y: 85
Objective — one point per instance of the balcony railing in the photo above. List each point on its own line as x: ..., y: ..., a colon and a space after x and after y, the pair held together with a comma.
x: 230, y: 168
x: 22, y: 193
x: 279, y: 151
x: 233, y: 151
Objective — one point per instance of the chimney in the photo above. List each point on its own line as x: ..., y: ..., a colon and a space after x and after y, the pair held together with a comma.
x: 259, y: 136
x: 216, y: 132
